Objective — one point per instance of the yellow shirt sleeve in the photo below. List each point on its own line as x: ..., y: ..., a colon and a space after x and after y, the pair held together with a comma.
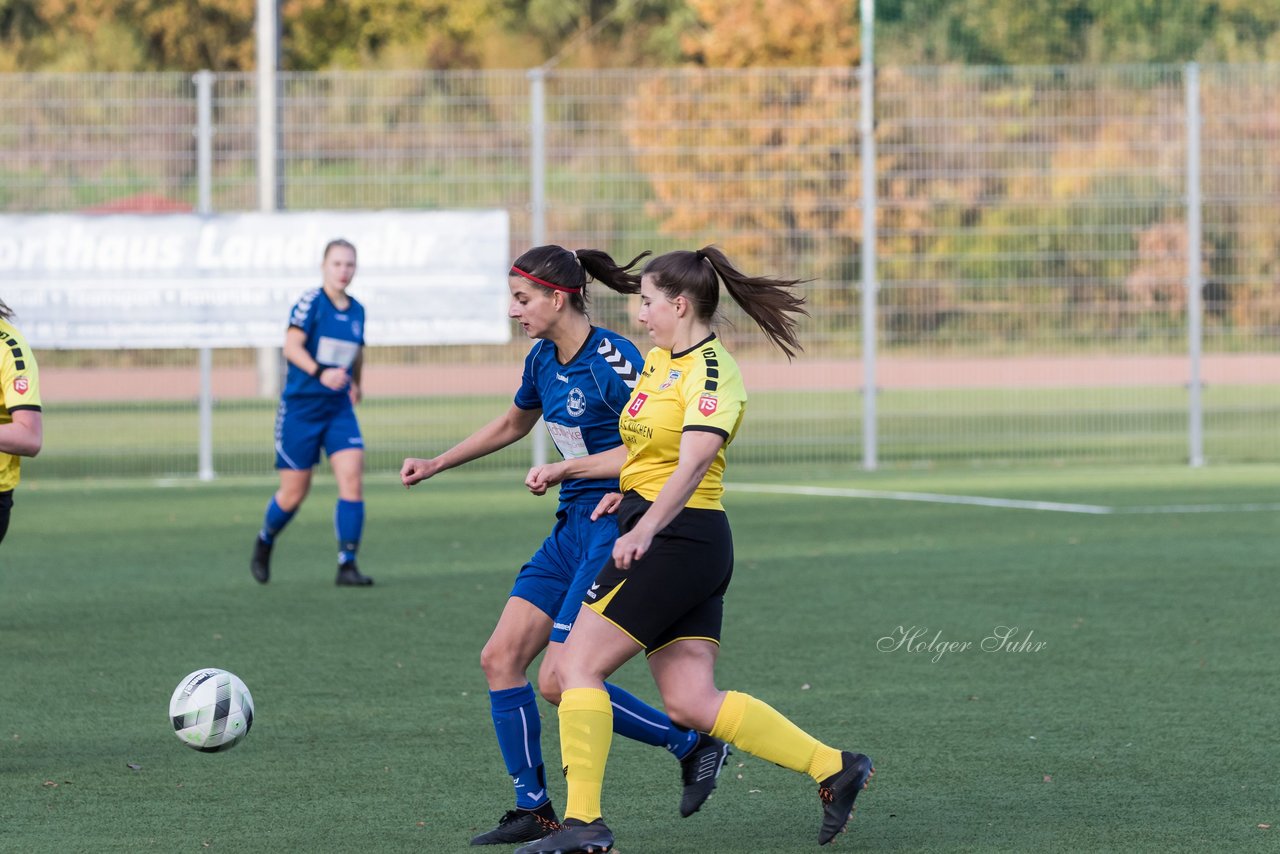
x: 19, y: 389
x: 19, y: 377
x: 714, y: 396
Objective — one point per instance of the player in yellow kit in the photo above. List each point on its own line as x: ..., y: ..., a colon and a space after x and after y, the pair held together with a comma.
x: 663, y: 589
x: 21, y: 424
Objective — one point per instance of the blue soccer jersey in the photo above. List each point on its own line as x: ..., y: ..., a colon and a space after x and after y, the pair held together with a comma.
x: 582, y: 400
x: 334, y: 339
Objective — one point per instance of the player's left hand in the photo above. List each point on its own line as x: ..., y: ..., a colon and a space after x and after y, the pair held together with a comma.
x: 357, y: 394
x: 608, y: 505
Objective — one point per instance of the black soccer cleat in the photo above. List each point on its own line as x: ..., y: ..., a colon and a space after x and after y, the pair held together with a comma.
x: 349, y: 576
x: 521, y: 826
x: 260, y: 565
x: 839, y: 791
x: 574, y: 837
x: 700, y: 770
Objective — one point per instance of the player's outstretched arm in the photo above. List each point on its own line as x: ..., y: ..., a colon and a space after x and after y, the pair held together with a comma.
x: 512, y: 425
x: 602, y: 466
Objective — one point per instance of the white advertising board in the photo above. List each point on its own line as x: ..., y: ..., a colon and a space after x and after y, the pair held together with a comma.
x: 228, y: 280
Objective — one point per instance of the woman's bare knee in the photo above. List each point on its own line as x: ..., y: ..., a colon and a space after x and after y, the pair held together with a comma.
x: 549, y: 675
x: 500, y: 664
x: 549, y: 689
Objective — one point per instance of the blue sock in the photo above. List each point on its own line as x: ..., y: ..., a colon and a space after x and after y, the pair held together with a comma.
x: 348, y: 523
x: 635, y: 719
x: 274, y: 521
x: 519, y: 729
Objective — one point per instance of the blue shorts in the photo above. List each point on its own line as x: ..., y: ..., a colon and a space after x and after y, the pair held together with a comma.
x: 304, y: 425
x: 556, y: 578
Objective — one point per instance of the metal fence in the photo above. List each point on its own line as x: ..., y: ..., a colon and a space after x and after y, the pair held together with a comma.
x: 1074, y: 263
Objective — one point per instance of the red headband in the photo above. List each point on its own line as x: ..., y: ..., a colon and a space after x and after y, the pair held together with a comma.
x: 545, y: 283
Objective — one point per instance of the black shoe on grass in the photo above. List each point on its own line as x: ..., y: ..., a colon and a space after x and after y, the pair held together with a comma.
x: 260, y: 565
x: 349, y: 576
x: 699, y: 771
x: 574, y: 837
x: 521, y: 826
x: 839, y: 791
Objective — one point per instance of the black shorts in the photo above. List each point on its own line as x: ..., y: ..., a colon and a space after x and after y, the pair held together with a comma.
x: 676, y: 591
x: 6, y: 505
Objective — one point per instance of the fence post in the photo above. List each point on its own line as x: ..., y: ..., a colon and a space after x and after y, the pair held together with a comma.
x: 870, y: 287
x: 270, y: 359
x: 204, y: 206
x: 538, y: 198
x: 1195, y: 275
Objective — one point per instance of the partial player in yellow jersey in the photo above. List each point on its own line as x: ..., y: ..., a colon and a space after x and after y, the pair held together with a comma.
x: 663, y: 589
x: 21, y: 422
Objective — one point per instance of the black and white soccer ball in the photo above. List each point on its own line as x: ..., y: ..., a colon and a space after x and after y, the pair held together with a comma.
x: 211, y: 710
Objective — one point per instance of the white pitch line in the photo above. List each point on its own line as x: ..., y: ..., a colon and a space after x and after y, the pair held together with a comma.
x: 1009, y: 503
x: 930, y: 497
x: 1199, y: 508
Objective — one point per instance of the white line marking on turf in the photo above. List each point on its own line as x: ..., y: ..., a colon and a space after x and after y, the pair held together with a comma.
x: 1008, y: 503
x: 1199, y: 508
x: 931, y: 497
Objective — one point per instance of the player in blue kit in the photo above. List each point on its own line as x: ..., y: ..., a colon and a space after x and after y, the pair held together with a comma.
x: 324, y: 346
x: 578, y: 378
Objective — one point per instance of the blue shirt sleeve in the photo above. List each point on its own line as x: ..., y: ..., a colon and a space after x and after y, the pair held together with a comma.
x: 617, y: 376
x: 527, y: 396
x: 304, y: 312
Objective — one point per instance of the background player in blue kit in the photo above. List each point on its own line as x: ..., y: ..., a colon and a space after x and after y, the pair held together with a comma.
x: 578, y: 378
x: 324, y: 346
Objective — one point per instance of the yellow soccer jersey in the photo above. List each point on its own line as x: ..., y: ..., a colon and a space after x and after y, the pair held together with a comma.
x: 19, y: 389
x: 700, y: 389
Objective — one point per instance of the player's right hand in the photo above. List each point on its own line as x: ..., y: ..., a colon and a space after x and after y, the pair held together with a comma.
x: 334, y: 378
x: 416, y: 470
x: 543, y: 477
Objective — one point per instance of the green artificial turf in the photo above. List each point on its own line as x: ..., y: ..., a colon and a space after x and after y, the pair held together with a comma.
x: 1145, y: 722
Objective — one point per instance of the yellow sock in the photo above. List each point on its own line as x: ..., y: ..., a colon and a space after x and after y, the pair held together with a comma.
x: 586, y: 731
x: 762, y: 731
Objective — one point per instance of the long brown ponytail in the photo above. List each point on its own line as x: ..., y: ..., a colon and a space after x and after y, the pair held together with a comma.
x: 770, y: 302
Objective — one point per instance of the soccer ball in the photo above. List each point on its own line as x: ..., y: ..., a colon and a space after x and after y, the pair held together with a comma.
x: 211, y: 710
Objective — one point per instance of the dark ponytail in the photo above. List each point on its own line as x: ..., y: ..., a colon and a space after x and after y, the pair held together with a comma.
x: 5, y: 311
x: 696, y: 276
x: 569, y: 271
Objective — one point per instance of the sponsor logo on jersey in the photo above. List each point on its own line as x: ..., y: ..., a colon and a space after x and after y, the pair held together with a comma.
x: 576, y: 402
x: 634, y: 409
x: 21, y: 384
x: 562, y: 378
x: 707, y: 404
x: 672, y: 379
